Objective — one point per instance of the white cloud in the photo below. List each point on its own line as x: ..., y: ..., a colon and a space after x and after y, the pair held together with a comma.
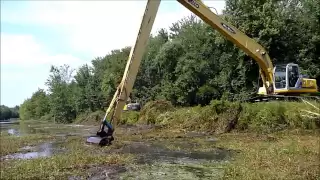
x: 24, y: 51
x: 25, y: 66
x: 118, y: 27
x: 90, y: 27
x: 97, y: 27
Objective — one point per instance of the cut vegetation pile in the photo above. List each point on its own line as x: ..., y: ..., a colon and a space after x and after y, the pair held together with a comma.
x: 223, y: 116
x: 90, y: 117
x: 151, y: 111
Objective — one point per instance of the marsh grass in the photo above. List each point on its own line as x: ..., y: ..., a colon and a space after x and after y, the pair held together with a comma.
x: 162, y: 170
x: 280, y: 155
x: 92, y: 118
x: 221, y: 116
x: 275, y: 116
x: 286, y: 155
x: 314, y: 113
x: 76, y: 161
x: 274, y: 140
x: 59, y: 166
x: 11, y: 144
x: 224, y: 116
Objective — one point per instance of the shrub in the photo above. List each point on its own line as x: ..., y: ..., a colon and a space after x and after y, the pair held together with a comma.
x: 153, y: 109
x: 90, y: 117
x: 223, y: 116
x: 129, y: 117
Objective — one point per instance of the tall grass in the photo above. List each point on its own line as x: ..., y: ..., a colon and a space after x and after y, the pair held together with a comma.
x: 224, y: 116
x: 314, y: 113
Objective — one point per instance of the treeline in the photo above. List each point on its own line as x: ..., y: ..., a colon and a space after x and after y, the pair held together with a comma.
x: 7, y: 113
x: 190, y: 63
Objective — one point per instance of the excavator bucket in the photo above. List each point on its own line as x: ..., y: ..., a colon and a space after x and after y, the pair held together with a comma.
x: 102, y: 138
x: 101, y: 141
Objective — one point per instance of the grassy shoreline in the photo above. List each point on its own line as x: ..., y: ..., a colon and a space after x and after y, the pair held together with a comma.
x: 219, y: 116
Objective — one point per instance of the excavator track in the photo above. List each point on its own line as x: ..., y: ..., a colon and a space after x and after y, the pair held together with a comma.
x: 101, y: 141
x: 267, y: 98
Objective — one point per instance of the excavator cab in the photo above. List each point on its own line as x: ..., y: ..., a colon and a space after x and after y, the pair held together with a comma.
x: 289, y: 80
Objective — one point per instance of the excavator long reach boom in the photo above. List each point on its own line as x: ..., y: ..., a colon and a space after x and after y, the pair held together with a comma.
x: 248, y: 45
x: 124, y: 89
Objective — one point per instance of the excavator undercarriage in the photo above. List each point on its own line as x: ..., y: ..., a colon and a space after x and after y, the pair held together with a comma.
x: 267, y: 98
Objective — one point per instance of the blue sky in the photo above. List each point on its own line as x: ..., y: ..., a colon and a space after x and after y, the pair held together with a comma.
x: 38, y: 34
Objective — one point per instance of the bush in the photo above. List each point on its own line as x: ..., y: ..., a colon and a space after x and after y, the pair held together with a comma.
x: 219, y: 116
x: 263, y: 117
x: 152, y: 109
x: 223, y: 116
x: 274, y: 116
x: 129, y: 117
x: 90, y: 117
x: 47, y: 117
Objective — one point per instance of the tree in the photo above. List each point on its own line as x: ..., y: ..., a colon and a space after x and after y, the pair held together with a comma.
x: 60, y: 85
x: 190, y: 63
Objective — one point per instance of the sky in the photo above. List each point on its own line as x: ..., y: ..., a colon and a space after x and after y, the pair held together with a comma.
x: 38, y: 34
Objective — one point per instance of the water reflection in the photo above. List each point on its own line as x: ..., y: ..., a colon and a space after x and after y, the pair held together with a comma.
x: 44, y: 150
x: 14, y: 132
x: 25, y: 128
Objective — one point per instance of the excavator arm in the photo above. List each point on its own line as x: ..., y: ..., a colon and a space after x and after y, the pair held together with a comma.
x: 130, y: 73
x: 248, y: 45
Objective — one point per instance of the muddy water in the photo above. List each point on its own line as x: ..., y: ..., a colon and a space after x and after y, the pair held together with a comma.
x: 153, y: 157
x: 47, y: 149
x: 154, y: 160
x: 43, y: 150
x: 149, y: 153
x: 26, y: 128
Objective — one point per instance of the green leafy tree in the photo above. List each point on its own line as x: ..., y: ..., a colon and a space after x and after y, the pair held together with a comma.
x: 190, y: 63
x: 61, y: 93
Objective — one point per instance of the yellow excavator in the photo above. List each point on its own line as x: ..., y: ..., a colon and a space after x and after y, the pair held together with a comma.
x: 279, y: 81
